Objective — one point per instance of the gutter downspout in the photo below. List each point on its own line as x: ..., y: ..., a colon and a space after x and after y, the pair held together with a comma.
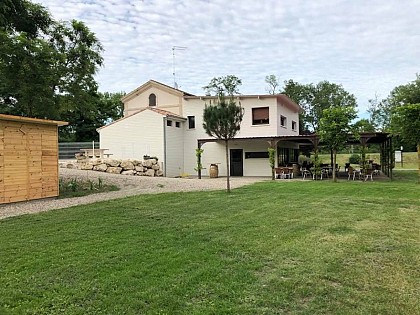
x: 164, y: 144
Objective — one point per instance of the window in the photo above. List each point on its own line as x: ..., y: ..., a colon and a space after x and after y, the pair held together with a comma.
x: 260, y: 116
x: 256, y: 155
x: 283, y: 121
x: 191, y: 122
x: 177, y: 124
x: 293, y: 125
x: 169, y: 123
x: 152, y: 100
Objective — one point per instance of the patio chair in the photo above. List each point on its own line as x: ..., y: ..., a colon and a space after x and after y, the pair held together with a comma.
x: 305, y: 173
x: 278, y: 172
x: 287, y: 173
x: 369, y: 173
x: 351, y: 172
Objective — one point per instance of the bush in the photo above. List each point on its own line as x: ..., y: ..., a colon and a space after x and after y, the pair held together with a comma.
x: 354, y: 159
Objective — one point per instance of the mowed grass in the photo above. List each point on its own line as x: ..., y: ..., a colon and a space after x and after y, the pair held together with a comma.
x: 280, y: 247
x: 410, y: 161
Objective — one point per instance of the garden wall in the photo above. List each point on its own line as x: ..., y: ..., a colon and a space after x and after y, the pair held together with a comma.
x: 149, y: 167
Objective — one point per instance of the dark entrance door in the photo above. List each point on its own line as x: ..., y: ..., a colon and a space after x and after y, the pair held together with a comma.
x: 236, y: 162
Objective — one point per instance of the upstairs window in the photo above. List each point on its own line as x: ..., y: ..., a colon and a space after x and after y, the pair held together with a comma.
x: 191, y: 122
x: 260, y: 116
x: 152, y: 100
x: 294, y: 125
x: 283, y: 121
x: 169, y: 123
x: 177, y: 124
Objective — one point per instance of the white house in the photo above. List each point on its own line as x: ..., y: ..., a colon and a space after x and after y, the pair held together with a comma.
x: 167, y: 123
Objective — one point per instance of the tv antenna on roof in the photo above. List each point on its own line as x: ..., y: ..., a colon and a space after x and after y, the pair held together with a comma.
x: 173, y: 62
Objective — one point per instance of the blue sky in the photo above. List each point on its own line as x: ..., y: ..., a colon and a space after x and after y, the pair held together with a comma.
x: 369, y: 47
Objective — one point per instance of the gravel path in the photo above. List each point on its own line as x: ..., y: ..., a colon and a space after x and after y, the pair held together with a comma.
x: 129, y: 186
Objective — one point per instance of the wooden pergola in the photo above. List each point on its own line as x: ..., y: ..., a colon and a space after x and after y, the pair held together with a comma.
x: 313, y: 140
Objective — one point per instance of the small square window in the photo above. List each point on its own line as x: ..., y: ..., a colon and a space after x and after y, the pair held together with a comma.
x: 191, y: 122
x: 169, y: 123
x: 294, y: 125
x: 177, y: 124
x: 283, y: 121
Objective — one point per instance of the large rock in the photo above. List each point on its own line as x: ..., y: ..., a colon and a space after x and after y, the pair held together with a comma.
x: 154, y: 161
x: 140, y: 169
x: 149, y: 172
x: 155, y: 167
x: 114, y: 170
x: 136, y: 162
x: 159, y: 173
x: 147, y: 163
x: 101, y: 167
x: 129, y: 172
x: 113, y: 162
x: 96, y: 162
x: 86, y: 166
x: 127, y: 165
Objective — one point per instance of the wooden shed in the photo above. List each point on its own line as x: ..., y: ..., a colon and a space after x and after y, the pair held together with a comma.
x: 28, y: 158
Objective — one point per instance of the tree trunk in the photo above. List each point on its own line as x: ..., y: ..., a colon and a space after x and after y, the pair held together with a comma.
x: 333, y: 166
x: 332, y: 157
x: 227, y: 166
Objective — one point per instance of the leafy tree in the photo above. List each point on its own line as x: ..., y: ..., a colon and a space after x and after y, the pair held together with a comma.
x: 334, y: 129
x: 401, y: 95
x: 315, y: 98
x: 363, y: 125
x: 47, y: 67
x: 222, y: 120
x: 406, y: 123
x: 227, y: 85
x: 272, y: 82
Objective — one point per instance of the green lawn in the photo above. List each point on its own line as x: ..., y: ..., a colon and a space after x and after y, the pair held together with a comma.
x: 409, y: 160
x: 280, y: 247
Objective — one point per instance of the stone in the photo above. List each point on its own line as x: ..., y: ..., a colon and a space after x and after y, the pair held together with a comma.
x: 86, y: 166
x: 136, y: 162
x: 154, y: 161
x: 127, y: 165
x: 159, y: 173
x: 129, y: 172
x: 101, y: 167
x: 147, y: 163
x: 140, y: 169
x: 155, y: 167
x: 113, y: 162
x: 70, y: 165
x: 80, y: 156
x: 96, y: 162
x: 114, y: 170
x: 150, y: 173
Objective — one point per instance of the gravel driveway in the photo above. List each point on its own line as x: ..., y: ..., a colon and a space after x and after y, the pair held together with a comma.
x: 129, y: 186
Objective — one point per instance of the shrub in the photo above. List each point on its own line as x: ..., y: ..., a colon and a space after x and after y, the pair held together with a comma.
x: 354, y: 159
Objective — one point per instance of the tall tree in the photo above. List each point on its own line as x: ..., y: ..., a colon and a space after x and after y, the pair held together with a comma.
x: 223, y: 119
x: 47, y: 68
x: 228, y: 85
x: 406, y: 122
x: 363, y: 125
x: 315, y: 98
x: 272, y: 83
x: 334, y: 129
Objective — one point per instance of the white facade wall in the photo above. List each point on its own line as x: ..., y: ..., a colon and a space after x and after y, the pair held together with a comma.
x: 174, y: 148
x: 254, y: 166
x: 134, y: 136
x: 291, y: 115
x: 164, y: 100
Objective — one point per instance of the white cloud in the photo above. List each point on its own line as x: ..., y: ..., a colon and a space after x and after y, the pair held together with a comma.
x: 369, y: 47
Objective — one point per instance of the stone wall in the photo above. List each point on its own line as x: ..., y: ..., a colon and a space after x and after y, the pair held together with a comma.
x: 125, y: 167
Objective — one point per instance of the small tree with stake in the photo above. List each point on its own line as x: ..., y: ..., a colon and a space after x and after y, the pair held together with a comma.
x: 222, y: 120
x: 334, y: 129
